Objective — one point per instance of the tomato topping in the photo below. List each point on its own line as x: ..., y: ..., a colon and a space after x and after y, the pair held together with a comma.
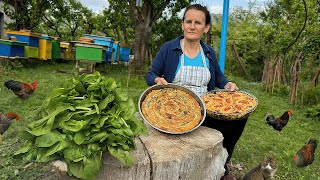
x: 227, y: 108
x: 238, y: 107
x: 244, y: 102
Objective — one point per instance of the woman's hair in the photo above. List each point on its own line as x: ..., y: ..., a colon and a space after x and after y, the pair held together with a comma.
x: 199, y: 7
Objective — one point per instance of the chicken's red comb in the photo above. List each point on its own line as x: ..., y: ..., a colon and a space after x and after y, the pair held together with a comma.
x: 13, y: 115
x: 290, y: 112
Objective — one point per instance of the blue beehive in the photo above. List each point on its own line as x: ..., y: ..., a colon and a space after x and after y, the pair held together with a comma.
x: 105, y: 41
x: 124, y: 54
x: 12, y: 48
x: 115, y: 50
x: 32, y: 39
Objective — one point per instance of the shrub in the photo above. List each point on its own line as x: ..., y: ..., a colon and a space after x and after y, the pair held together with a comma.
x: 281, y: 89
x: 311, y: 95
x: 313, y: 112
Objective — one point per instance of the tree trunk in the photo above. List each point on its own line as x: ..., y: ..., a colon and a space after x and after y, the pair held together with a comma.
x: 149, y: 53
x: 144, y: 18
x: 236, y: 55
x: 267, y: 76
x: 278, y: 73
x: 142, y: 35
x: 272, y: 73
x: 118, y: 34
x: 315, y: 77
x: 125, y: 36
x: 208, y: 37
x: 159, y: 156
x: 295, y: 79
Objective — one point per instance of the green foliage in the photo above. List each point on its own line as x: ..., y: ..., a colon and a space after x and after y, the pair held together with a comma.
x: 313, y: 112
x: 282, y: 90
x: 26, y: 13
x: 311, y: 95
x: 165, y: 30
x: 80, y: 122
x: 271, y: 32
x: 116, y: 22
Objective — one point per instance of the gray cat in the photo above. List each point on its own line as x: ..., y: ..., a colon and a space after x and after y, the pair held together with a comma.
x: 264, y: 171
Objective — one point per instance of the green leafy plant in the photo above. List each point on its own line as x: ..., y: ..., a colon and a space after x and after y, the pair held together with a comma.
x: 81, y: 122
x: 313, y: 112
x: 311, y: 95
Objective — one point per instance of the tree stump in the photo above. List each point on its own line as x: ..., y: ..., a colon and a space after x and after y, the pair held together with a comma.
x: 197, y: 155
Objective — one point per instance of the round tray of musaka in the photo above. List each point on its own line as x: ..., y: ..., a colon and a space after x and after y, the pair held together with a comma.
x: 172, y: 108
x: 229, y: 105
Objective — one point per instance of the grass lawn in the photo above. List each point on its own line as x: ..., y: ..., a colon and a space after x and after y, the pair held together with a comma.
x: 258, y: 138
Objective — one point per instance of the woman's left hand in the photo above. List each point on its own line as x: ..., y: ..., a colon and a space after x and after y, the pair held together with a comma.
x: 232, y: 86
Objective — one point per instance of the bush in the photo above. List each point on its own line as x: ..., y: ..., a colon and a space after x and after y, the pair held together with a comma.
x: 311, y: 95
x: 313, y: 112
x: 280, y: 89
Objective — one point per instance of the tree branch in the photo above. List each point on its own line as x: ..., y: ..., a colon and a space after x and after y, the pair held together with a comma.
x: 159, y: 11
x: 303, y: 27
x: 134, y: 9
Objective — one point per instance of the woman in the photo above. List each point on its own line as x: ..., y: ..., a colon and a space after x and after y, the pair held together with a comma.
x: 189, y: 62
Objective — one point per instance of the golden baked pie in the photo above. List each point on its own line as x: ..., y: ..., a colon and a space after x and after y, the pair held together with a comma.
x: 233, y: 104
x: 171, y: 110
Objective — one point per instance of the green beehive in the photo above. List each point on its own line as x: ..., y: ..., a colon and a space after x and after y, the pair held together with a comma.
x: 31, y: 52
x: 56, y: 49
x: 90, y: 52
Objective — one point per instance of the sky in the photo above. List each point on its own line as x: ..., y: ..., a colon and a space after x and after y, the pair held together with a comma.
x: 214, y: 6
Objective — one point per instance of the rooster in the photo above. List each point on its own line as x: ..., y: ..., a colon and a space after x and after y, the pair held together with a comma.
x: 21, y: 89
x: 280, y: 122
x: 5, y: 122
x: 305, y: 155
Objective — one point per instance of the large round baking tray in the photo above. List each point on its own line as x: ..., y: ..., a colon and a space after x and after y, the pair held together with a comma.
x: 233, y: 116
x: 156, y: 87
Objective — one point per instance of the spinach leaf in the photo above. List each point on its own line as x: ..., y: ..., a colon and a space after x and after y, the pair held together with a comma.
x: 49, y: 139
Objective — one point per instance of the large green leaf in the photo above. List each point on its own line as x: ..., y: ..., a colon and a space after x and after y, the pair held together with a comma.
x: 110, y: 85
x: 137, y: 126
x: 123, y: 156
x: 73, y: 125
x: 44, y: 125
x: 27, y: 147
x: 75, y: 153
x: 104, y: 103
x: 60, y: 146
x: 79, y: 87
x: 88, y: 168
x: 79, y: 137
x: 49, y: 139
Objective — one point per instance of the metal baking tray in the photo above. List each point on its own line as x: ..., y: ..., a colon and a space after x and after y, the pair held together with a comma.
x: 234, y: 116
x: 170, y: 85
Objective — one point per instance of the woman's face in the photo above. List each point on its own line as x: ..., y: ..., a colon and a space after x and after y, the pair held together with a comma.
x: 194, y: 25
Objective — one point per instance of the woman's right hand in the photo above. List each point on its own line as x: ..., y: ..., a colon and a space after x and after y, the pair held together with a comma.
x: 160, y: 81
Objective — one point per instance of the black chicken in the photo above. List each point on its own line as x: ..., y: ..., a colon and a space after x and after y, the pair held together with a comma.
x: 280, y: 122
